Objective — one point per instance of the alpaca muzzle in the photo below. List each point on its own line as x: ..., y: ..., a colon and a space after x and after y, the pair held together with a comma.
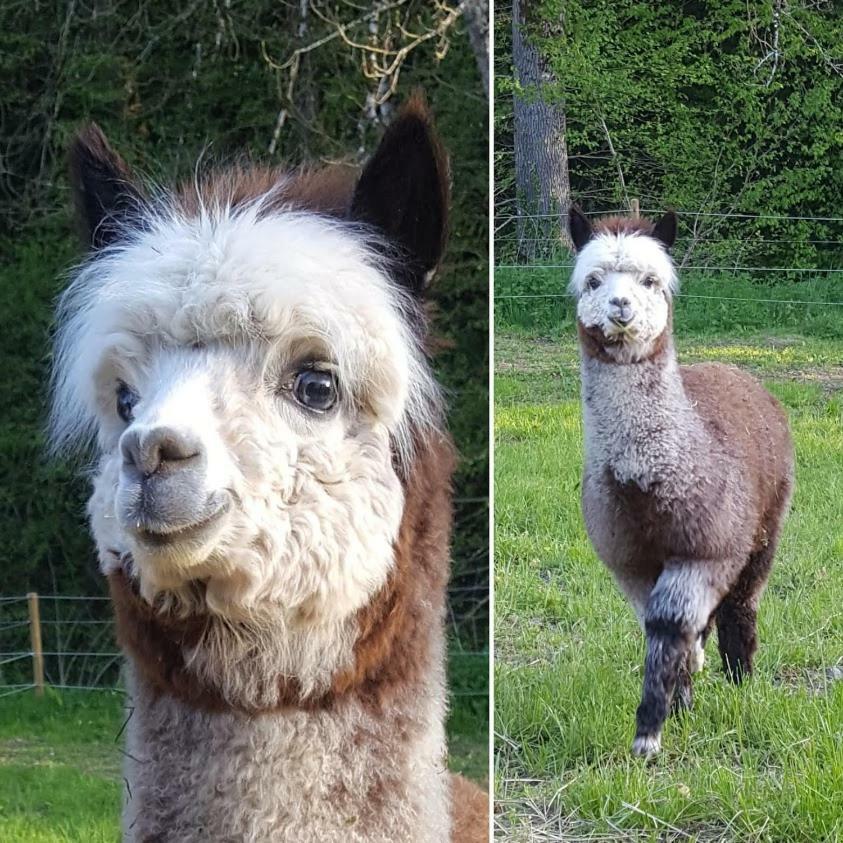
x: 162, y: 496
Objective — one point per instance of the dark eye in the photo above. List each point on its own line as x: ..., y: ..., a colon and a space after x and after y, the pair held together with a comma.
x: 592, y: 282
x: 649, y: 281
x: 126, y: 400
x: 316, y: 389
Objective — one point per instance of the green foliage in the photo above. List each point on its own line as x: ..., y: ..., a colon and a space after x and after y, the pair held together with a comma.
x: 170, y: 86
x: 711, y: 107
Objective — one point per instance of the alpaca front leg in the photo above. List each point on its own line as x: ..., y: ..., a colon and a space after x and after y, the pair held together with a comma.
x: 683, y: 693
x: 677, y: 613
x: 668, y: 646
x: 696, y: 661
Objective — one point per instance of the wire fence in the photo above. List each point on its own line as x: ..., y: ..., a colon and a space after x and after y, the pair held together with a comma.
x: 67, y: 642
x: 727, y: 261
x: 656, y: 211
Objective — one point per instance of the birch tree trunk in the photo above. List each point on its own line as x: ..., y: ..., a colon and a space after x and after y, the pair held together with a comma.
x: 541, y: 157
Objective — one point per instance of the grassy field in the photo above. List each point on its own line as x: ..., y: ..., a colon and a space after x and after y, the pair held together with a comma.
x: 763, y: 762
x: 60, y: 762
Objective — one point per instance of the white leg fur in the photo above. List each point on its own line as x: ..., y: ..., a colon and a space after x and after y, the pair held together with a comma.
x: 696, y: 662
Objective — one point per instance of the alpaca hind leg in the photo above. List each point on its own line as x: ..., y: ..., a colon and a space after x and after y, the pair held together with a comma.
x: 737, y: 615
x: 737, y: 638
x: 677, y: 613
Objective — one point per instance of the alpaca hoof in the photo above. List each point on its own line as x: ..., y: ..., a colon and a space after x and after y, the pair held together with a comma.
x: 646, y: 746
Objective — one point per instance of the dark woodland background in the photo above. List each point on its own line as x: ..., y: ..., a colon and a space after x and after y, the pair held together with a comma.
x: 288, y: 82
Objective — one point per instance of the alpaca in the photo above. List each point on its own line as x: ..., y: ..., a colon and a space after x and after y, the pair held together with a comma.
x: 688, y: 469
x: 271, y: 497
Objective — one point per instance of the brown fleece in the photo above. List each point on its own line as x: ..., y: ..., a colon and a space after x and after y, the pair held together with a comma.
x: 469, y: 811
x: 326, y: 190
x: 392, y: 650
x: 624, y: 225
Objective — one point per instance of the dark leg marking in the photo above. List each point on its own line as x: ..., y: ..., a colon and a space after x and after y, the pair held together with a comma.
x: 668, y: 645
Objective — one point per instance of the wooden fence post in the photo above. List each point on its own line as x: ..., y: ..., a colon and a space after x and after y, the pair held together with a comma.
x: 635, y: 208
x: 37, y: 650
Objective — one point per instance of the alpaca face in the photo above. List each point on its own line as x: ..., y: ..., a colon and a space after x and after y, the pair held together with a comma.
x: 246, y: 396
x: 253, y: 377
x: 623, y: 281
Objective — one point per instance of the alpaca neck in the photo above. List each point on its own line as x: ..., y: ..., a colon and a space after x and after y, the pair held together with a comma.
x: 349, y: 772
x: 638, y: 419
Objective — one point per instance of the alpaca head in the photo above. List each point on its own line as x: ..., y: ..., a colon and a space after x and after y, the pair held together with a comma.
x: 623, y: 280
x: 249, y: 367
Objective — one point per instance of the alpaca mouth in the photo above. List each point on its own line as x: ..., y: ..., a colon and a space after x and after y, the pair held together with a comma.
x: 160, y: 534
x: 623, y: 330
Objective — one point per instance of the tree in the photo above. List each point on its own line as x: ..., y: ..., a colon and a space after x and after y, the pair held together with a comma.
x: 541, y: 156
x: 476, y: 13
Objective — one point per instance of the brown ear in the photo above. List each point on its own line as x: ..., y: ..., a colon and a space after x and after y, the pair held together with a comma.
x: 665, y: 229
x: 404, y: 191
x: 579, y: 226
x: 104, y: 191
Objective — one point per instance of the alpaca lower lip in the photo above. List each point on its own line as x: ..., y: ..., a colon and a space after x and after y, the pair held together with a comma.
x: 163, y: 534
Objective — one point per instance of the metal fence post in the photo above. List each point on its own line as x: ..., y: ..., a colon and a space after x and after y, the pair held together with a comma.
x: 37, y: 650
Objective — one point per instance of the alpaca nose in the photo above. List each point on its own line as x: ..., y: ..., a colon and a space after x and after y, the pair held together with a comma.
x: 159, y: 450
x: 623, y: 313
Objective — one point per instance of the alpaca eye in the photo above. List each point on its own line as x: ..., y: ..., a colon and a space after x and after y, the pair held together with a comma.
x: 592, y: 282
x: 126, y: 400
x: 316, y: 389
x: 649, y: 281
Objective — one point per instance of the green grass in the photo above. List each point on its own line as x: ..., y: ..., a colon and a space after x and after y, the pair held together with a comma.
x: 763, y: 762
x: 60, y: 759
x: 60, y: 767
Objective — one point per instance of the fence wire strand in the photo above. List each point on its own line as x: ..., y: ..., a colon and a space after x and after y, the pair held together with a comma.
x: 678, y: 295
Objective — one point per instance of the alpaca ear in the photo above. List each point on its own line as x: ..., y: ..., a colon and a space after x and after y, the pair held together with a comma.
x: 403, y: 191
x: 579, y: 226
x: 665, y: 229
x: 104, y: 190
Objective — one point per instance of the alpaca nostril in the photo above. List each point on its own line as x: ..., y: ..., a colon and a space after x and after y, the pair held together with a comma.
x: 159, y: 449
x: 620, y: 302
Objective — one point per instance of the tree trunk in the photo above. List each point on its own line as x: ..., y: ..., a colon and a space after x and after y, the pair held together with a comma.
x: 541, y: 156
x: 476, y: 14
